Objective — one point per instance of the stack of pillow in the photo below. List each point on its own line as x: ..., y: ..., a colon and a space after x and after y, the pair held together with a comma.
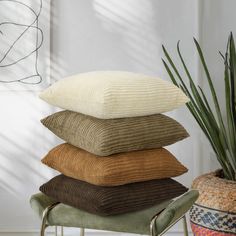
x: 113, y: 160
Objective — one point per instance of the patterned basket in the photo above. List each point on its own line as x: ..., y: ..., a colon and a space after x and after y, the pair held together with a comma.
x: 214, y: 213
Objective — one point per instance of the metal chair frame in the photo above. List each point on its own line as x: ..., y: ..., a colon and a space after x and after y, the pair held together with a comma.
x: 44, y: 224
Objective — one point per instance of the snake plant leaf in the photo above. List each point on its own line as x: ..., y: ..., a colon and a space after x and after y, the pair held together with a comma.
x: 233, y: 73
x: 211, y: 86
x: 170, y: 73
x: 206, y: 113
x: 174, y: 67
x: 220, y: 133
x: 229, y: 73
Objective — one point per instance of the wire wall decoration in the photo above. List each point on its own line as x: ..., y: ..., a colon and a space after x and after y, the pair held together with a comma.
x: 24, y: 44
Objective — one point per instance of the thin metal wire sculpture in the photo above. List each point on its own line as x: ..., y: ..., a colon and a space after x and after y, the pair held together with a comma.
x: 38, y: 43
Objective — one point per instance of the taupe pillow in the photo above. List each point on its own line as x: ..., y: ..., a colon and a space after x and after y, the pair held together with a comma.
x: 106, y: 137
x: 111, y: 200
x: 113, y: 170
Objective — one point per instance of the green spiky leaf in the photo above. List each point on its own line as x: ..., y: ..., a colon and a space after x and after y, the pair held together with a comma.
x: 220, y: 133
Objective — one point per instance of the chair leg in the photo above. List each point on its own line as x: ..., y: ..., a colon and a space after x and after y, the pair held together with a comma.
x: 44, y: 218
x: 62, y: 231
x: 185, y: 226
x: 81, y: 231
x: 43, y: 228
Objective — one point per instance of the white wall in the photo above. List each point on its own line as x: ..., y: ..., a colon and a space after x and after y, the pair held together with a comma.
x: 106, y: 35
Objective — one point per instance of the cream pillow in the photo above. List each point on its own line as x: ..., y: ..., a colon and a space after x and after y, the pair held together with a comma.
x: 114, y: 94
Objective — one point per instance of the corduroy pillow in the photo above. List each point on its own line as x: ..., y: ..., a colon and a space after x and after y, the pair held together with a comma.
x: 116, y: 169
x: 111, y: 200
x: 114, y: 94
x: 104, y: 137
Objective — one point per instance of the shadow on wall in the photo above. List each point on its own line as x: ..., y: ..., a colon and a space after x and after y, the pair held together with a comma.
x: 134, y: 21
x: 24, y: 140
x: 58, y: 63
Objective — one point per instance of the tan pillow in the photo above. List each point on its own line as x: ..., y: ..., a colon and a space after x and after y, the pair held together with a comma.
x: 116, y: 169
x: 104, y: 137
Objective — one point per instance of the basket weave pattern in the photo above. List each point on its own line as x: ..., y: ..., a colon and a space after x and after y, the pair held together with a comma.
x: 214, y: 213
x: 198, y: 230
x: 216, y: 192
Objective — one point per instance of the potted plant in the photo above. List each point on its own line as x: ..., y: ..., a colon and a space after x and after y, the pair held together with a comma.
x: 214, y: 213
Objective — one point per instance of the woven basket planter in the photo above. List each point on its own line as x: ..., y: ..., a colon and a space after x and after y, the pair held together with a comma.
x: 214, y: 213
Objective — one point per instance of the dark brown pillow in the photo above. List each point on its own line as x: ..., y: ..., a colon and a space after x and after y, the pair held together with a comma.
x: 118, y: 169
x: 106, y: 137
x: 111, y: 200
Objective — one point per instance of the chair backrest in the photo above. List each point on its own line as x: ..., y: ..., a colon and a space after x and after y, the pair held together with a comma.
x: 173, y: 212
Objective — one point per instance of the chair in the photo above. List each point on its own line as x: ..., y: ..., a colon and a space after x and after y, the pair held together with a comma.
x: 153, y: 221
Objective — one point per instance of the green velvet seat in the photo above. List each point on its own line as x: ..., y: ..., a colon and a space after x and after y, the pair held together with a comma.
x: 135, y: 222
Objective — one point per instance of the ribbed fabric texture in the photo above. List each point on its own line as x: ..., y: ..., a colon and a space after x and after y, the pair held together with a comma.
x: 111, y: 200
x: 114, y: 161
x: 114, y: 94
x: 114, y: 170
x: 105, y: 137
